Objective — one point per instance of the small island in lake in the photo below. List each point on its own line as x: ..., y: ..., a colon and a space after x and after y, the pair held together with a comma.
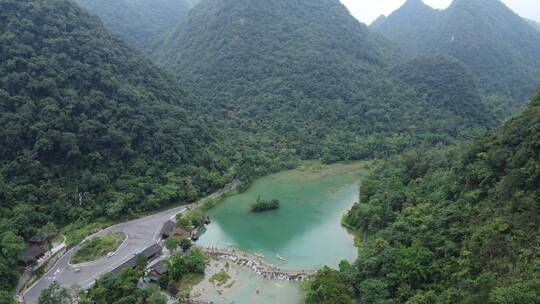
x: 261, y: 205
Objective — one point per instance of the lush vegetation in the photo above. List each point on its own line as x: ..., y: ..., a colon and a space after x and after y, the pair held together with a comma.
x: 405, y: 25
x: 499, y: 46
x: 220, y: 278
x: 122, y: 288
x: 12, y: 247
x: 328, y: 286
x: 111, y: 288
x: 448, y: 85
x: 141, y: 23
x: 98, y: 247
x: 453, y: 225
x: 90, y: 129
x: 84, y: 137
x: 91, y: 132
x: 173, y: 242
x: 320, y: 91
x: 261, y: 205
x: 194, y: 218
x: 192, y: 262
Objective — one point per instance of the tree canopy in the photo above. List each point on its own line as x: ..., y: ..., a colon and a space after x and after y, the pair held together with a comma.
x: 451, y: 226
x: 143, y: 24
x: 499, y: 46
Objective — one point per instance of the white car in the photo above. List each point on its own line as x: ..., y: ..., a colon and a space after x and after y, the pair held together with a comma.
x: 77, y: 269
x: 110, y: 254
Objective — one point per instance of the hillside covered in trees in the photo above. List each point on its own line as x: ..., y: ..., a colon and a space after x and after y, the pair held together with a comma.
x: 499, y: 46
x: 308, y: 73
x: 142, y: 24
x: 448, y: 226
x: 89, y: 128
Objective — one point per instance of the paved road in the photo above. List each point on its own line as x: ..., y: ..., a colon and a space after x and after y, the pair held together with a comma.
x: 140, y: 234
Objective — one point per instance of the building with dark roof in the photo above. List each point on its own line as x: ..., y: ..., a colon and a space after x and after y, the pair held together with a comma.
x: 152, y: 251
x: 132, y: 262
x: 160, y: 268
x: 167, y: 229
x: 37, y: 240
x: 32, y: 254
x: 149, y: 253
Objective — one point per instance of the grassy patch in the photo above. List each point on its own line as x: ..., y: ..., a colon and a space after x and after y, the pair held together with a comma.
x: 76, y: 232
x: 219, y: 278
x: 186, y: 283
x: 311, y: 166
x: 210, y: 203
x: 59, y: 239
x: 98, y: 247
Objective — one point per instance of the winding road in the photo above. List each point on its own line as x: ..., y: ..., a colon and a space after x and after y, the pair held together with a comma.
x: 140, y: 233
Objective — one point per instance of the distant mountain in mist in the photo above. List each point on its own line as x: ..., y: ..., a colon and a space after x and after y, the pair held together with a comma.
x: 534, y: 24
x: 498, y: 45
x: 141, y: 23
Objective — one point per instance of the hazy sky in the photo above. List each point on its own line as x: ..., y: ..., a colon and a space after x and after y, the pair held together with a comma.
x: 367, y: 10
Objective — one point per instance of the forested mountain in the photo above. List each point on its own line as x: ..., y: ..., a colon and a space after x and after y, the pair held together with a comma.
x: 308, y: 74
x: 410, y: 23
x: 447, y: 226
x: 499, y: 46
x: 534, y: 24
x: 380, y: 20
x: 141, y: 23
x: 89, y: 128
x: 448, y: 85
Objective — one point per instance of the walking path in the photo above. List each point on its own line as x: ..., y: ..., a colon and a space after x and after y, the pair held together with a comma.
x: 256, y: 263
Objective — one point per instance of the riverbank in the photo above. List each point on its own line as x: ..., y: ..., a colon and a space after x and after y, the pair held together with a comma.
x: 305, y: 232
x: 258, y: 265
x: 76, y: 232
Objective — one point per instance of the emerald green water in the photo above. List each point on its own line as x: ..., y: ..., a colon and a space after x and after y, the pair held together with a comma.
x: 305, y: 230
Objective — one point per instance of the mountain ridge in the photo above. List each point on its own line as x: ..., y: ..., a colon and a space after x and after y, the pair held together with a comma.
x: 501, y: 49
x: 473, y: 212
x: 141, y: 23
x: 294, y: 60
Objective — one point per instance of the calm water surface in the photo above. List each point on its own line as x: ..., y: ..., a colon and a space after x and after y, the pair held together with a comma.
x: 305, y: 230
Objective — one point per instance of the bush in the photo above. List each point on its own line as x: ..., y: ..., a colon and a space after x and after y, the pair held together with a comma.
x: 262, y: 205
x: 98, y: 247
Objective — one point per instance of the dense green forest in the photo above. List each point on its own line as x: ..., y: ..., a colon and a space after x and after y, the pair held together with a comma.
x: 91, y: 129
x: 408, y: 25
x: 308, y: 74
x: 499, y: 46
x: 90, y: 123
x: 142, y: 24
x: 449, y: 86
x: 453, y: 224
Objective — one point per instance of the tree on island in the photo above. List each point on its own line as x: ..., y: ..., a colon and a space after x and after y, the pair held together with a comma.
x: 261, y: 205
